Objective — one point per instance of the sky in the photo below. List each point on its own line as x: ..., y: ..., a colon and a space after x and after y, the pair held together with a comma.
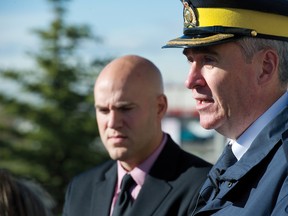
x: 126, y: 27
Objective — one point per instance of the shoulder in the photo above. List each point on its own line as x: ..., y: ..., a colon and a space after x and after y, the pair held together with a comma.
x: 84, y: 182
x: 94, y: 174
x: 175, y: 163
x: 81, y: 189
x: 183, y: 157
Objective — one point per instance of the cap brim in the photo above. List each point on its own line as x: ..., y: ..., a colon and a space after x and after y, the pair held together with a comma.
x: 187, y: 41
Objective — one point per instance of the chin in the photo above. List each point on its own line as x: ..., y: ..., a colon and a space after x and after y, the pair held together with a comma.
x: 210, y: 122
x: 118, y: 155
x: 208, y: 125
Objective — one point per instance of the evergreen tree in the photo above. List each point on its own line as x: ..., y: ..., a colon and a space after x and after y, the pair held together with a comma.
x: 48, y: 130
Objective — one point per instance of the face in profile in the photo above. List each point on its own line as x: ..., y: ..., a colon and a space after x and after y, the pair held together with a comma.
x: 224, y: 86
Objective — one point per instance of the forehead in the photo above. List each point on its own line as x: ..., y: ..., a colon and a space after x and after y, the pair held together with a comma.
x: 113, y: 92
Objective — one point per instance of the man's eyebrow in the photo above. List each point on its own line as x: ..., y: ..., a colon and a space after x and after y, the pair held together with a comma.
x: 117, y: 105
x: 98, y: 106
x: 123, y: 104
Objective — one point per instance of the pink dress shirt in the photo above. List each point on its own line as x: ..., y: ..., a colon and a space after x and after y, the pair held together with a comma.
x: 138, y: 173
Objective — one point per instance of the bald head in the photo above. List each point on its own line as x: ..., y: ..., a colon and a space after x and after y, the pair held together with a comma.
x: 134, y: 70
x: 130, y: 105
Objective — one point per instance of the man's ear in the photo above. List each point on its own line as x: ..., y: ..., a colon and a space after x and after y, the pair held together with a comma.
x: 162, y: 105
x: 270, y: 63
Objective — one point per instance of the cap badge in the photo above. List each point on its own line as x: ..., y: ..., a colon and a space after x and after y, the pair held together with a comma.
x: 190, y: 20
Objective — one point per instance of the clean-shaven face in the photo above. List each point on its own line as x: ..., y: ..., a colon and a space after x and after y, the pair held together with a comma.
x: 127, y: 112
x: 224, y: 86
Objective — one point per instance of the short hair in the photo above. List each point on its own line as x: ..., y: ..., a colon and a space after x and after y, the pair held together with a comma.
x: 252, y: 45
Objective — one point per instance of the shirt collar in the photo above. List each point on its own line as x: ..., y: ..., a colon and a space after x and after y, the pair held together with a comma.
x: 139, y: 173
x: 242, y: 144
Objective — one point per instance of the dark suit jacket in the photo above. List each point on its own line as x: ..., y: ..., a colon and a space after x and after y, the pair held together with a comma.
x: 257, y: 184
x: 171, y: 187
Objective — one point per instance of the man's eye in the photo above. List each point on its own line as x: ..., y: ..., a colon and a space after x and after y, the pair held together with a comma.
x: 208, y: 59
x: 209, y: 62
x: 190, y: 59
x: 103, y: 110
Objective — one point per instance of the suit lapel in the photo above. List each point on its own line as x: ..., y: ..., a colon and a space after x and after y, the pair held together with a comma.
x: 103, y: 193
x: 156, y: 187
x: 150, y: 197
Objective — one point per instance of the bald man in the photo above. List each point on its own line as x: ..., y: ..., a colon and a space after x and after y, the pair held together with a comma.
x: 130, y: 104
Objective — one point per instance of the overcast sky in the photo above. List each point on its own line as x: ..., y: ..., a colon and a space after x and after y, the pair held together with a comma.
x: 126, y: 26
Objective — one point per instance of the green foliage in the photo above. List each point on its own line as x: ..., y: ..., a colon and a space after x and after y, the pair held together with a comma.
x: 48, y: 130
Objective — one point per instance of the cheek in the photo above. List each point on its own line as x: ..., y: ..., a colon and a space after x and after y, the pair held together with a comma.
x: 101, y: 123
x: 225, y: 95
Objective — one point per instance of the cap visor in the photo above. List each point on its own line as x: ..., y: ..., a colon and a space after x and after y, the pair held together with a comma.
x: 187, y: 41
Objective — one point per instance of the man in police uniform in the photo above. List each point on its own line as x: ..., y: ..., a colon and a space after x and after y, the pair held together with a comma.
x: 238, y: 55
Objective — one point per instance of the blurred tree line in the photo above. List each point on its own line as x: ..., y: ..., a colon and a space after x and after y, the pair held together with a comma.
x: 48, y: 130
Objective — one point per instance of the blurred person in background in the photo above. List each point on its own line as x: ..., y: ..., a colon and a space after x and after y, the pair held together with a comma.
x: 22, y: 197
x: 165, y: 180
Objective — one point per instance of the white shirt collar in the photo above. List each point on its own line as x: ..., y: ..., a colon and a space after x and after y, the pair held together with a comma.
x: 242, y: 144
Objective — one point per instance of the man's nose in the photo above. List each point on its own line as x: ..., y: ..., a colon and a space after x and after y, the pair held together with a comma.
x: 194, y: 78
x: 115, y: 119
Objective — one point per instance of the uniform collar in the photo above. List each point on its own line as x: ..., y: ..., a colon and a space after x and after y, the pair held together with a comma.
x: 242, y: 144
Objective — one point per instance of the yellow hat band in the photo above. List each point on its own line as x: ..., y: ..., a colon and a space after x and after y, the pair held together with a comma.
x: 261, y: 22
